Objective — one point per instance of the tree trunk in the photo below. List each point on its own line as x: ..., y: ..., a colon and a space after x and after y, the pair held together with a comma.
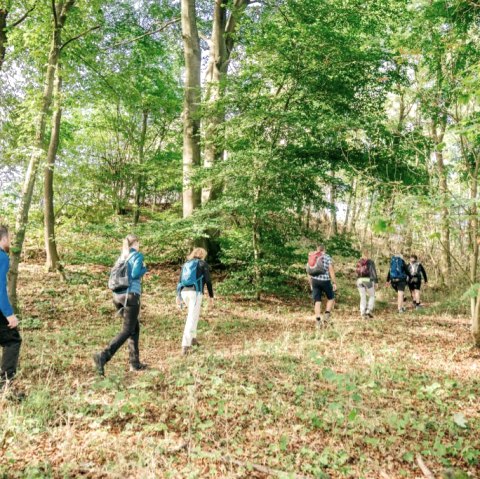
x: 53, y: 259
x: 333, y: 210
x: 3, y: 35
x: 438, y: 137
x: 38, y: 149
x: 191, y: 106
x: 221, y: 46
x: 139, y: 193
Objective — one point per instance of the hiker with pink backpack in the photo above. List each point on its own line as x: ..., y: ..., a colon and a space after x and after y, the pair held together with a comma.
x: 367, y: 280
x: 321, y: 276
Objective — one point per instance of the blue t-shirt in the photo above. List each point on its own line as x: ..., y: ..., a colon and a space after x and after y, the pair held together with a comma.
x: 5, y: 306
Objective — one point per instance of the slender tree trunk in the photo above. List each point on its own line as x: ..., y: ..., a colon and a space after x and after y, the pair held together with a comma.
x: 438, y: 136
x: 139, y: 193
x: 53, y: 259
x: 349, y: 208
x: 39, y: 147
x: 333, y: 199
x: 3, y: 35
x: 191, y: 106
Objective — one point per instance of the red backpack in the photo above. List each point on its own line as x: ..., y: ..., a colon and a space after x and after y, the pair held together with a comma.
x: 315, y: 265
x: 362, y: 268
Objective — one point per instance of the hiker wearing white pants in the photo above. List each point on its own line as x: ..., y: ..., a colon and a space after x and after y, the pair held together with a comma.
x: 366, y: 281
x: 194, y: 276
x: 193, y: 301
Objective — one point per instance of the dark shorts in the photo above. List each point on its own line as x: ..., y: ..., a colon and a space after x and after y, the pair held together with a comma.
x: 415, y: 285
x: 320, y: 287
x: 399, y: 284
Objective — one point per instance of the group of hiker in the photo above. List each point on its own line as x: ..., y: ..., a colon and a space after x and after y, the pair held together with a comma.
x: 126, y: 283
x: 321, y: 276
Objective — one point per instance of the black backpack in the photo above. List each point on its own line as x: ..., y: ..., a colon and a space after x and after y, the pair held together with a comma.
x: 119, y: 280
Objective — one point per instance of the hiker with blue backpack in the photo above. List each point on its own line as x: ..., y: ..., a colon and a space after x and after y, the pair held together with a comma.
x: 321, y: 277
x: 195, y: 274
x: 126, y: 283
x: 398, y: 277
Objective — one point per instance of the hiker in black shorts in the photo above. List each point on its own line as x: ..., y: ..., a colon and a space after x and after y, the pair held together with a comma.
x: 321, y: 276
x: 398, y: 277
x: 416, y: 271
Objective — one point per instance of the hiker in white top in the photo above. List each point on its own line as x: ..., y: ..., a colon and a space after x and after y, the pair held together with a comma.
x: 195, y: 274
x: 366, y: 282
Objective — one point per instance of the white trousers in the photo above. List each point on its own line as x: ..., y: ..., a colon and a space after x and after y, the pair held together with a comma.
x: 364, y: 292
x: 193, y: 302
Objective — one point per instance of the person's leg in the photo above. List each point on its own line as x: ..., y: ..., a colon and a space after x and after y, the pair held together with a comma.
x: 10, y: 341
x: 328, y: 290
x: 363, y: 298
x: 401, y: 285
x: 317, y: 300
x: 134, y: 348
x: 371, y: 299
x: 196, y: 316
x: 130, y: 323
x: 189, y: 298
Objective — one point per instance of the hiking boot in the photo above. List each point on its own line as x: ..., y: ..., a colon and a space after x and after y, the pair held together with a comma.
x: 319, y: 323
x: 99, y: 363
x: 369, y: 315
x: 138, y: 367
x: 195, y: 342
x: 326, y: 319
x: 418, y: 306
x: 401, y: 310
x: 186, y: 350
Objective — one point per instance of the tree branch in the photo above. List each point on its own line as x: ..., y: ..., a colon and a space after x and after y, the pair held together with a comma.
x: 423, y: 467
x: 23, y: 18
x: 152, y: 32
x: 96, y: 27
x: 54, y: 11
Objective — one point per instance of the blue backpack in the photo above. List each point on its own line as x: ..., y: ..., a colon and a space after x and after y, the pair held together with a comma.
x: 397, y: 270
x: 189, y: 276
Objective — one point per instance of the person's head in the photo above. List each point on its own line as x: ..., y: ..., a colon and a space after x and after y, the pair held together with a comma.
x: 413, y: 258
x: 131, y: 241
x: 198, y: 253
x: 321, y: 248
x: 4, y: 238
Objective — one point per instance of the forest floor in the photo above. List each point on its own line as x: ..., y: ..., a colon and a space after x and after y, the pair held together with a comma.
x: 264, y: 395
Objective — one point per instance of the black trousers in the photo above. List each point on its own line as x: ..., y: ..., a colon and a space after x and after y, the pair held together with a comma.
x: 10, y: 341
x: 130, y: 331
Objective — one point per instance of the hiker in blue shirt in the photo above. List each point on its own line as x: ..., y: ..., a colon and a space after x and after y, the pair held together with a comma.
x: 10, y: 339
x: 194, y: 276
x: 127, y: 303
x: 398, y: 277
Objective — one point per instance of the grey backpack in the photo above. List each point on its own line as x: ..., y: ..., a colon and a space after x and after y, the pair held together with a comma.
x: 119, y: 280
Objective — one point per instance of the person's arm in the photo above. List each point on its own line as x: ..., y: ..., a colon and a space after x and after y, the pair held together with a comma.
x: 373, y: 272
x: 5, y: 306
x: 208, y: 280
x: 407, y: 271
x: 423, y: 273
x: 138, y: 268
x: 331, y: 270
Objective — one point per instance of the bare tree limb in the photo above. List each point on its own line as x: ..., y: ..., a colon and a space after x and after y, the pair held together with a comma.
x: 423, y: 467
x: 260, y: 468
x: 96, y: 27
x: 23, y: 18
x: 152, y: 32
